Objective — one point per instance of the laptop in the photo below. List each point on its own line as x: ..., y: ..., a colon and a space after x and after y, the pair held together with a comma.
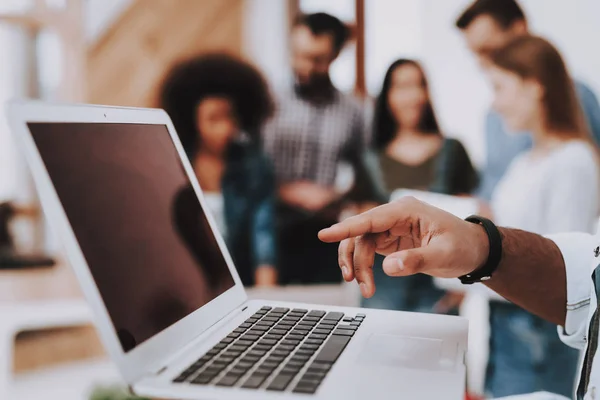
x: 168, y: 303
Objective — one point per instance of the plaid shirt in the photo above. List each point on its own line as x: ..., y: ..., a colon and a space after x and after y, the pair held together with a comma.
x: 307, y: 141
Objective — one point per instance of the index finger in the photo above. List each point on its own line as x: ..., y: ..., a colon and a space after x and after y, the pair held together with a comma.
x: 377, y: 220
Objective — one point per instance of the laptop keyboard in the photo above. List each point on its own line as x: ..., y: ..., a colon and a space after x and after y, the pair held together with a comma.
x: 271, y: 348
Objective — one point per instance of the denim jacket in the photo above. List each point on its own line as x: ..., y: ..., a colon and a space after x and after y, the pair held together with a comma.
x: 248, y: 187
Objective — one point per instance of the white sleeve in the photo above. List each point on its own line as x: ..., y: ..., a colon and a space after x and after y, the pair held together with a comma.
x: 572, y: 203
x: 578, y: 254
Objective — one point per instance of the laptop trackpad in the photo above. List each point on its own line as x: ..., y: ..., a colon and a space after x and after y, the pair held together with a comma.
x: 391, y: 350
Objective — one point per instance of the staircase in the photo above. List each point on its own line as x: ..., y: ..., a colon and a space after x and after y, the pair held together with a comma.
x: 127, y: 63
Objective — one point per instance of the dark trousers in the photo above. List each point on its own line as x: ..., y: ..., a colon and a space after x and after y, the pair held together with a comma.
x: 303, y: 258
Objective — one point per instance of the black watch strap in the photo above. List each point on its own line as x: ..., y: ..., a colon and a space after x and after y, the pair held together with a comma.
x: 495, y: 240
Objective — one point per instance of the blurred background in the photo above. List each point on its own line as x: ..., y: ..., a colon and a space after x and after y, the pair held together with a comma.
x: 117, y: 52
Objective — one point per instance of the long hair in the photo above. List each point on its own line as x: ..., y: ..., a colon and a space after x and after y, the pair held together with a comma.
x: 532, y: 57
x: 385, y: 124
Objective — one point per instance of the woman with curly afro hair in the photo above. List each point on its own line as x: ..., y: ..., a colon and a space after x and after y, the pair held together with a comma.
x: 218, y: 105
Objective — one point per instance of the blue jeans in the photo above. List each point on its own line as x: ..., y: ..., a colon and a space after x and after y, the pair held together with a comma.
x: 526, y: 355
x: 412, y: 293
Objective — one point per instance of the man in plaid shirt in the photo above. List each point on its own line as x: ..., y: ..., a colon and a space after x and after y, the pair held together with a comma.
x: 315, y: 128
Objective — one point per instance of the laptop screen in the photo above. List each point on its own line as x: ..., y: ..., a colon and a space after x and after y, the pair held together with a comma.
x: 138, y: 222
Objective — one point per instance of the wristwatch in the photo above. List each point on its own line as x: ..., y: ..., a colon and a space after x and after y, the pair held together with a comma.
x: 485, y: 272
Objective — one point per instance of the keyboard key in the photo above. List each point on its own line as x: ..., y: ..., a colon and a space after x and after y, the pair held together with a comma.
x: 316, y: 313
x: 203, y: 379
x: 285, y: 347
x: 254, y: 381
x: 251, y: 320
x: 306, y: 388
x: 299, y: 311
x: 281, y: 310
x: 298, y: 364
x: 214, y: 352
x: 275, y: 337
x: 343, y: 332
x: 232, y: 353
x: 321, y: 331
x: 262, y: 347
x: 317, y: 367
x: 261, y: 328
x: 296, y: 337
x: 292, y: 370
x: 259, y: 314
x: 233, y: 335
x: 181, y: 378
x: 267, y: 342
x: 243, y: 342
x: 237, y: 347
x: 227, y: 359
x: 328, y: 328
x: 360, y: 315
x: 271, y: 319
x: 283, y: 353
x: 348, y: 319
x: 333, y: 348
x: 256, y: 332
x: 249, y: 358
x: 266, y: 308
x: 220, y: 346
x: 313, y: 376
x: 334, y: 316
x: 328, y: 322
x: 245, y: 325
x: 237, y: 371
x: 266, y: 369
x: 228, y: 380
x: 283, y: 328
x: 303, y: 358
x: 314, y: 341
x: 281, y: 382
x: 205, y: 358
x: 317, y: 336
x: 259, y: 353
x: 243, y: 364
x: 300, y: 332
x: 286, y: 323
x: 347, y: 327
x: 239, y: 330
x: 251, y: 338
x: 304, y: 352
x: 275, y: 358
x: 268, y: 324
x: 355, y: 323
x: 309, y: 346
x: 278, y: 331
x: 307, y: 323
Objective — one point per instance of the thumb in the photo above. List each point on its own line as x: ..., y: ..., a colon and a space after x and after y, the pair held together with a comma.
x: 410, y: 262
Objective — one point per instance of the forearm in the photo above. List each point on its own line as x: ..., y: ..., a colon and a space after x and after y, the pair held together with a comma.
x: 532, y: 275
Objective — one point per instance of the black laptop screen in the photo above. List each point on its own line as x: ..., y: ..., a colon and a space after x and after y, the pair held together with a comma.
x: 138, y: 222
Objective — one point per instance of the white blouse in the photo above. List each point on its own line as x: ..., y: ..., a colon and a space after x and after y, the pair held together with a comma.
x: 556, y: 193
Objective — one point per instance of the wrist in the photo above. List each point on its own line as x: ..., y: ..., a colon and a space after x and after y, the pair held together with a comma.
x: 491, y: 256
x: 482, y: 246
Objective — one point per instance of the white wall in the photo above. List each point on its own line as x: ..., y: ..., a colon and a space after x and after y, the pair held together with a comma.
x: 265, y: 39
x: 99, y: 14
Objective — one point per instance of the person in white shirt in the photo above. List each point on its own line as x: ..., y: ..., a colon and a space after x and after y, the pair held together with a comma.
x: 553, y: 187
x: 553, y: 277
